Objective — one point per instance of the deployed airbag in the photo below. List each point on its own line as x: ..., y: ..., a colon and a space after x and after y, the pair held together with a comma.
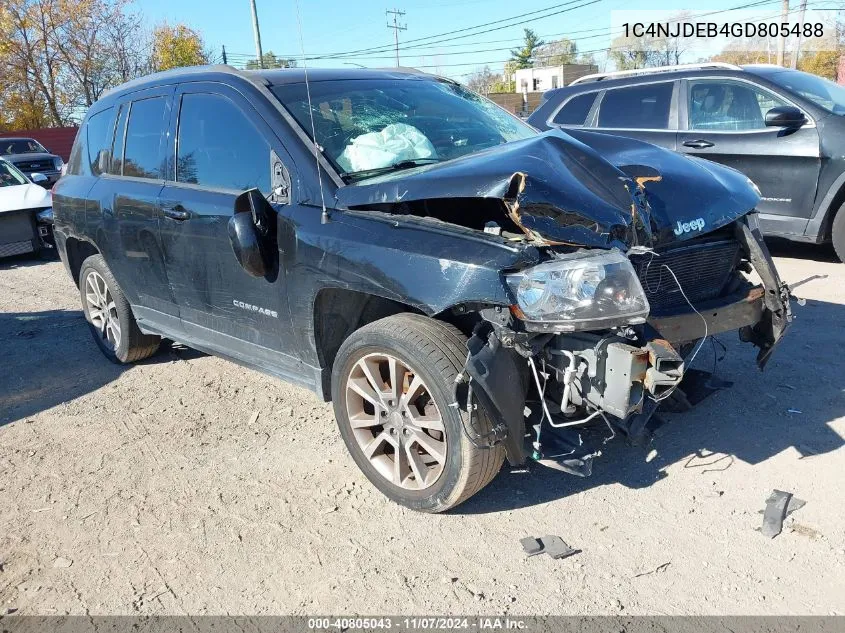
x: 395, y: 143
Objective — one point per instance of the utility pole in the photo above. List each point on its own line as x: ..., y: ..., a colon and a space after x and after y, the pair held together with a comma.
x: 784, y: 16
x: 257, y: 33
x: 225, y: 61
x: 797, y: 52
x: 396, y: 28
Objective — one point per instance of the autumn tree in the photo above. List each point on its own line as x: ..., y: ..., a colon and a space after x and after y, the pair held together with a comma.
x: 177, y: 46
x: 57, y: 57
x: 524, y: 57
x: 271, y: 60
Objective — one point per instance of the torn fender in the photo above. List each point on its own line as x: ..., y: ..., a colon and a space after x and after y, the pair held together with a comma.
x: 497, y: 384
x: 585, y: 189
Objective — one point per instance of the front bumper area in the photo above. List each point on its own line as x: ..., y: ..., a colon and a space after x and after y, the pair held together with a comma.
x: 537, y: 386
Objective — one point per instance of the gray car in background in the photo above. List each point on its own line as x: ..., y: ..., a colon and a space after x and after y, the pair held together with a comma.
x: 32, y: 157
x: 784, y: 129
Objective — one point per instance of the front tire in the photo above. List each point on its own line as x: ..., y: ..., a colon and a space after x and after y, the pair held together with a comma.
x: 392, y: 386
x: 838, y: 233
x: 109, y: 315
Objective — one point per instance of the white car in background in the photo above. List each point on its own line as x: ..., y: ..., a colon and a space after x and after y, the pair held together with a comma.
x: 26, y: 212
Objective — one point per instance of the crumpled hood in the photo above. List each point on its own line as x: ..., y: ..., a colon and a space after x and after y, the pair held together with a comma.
x: 583, y: 188
x: 29, y: 196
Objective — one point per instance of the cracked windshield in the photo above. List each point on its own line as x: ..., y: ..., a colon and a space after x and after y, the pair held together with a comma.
x: 366, y: 127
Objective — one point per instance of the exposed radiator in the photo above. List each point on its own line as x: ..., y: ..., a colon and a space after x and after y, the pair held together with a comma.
x: 703, y: 269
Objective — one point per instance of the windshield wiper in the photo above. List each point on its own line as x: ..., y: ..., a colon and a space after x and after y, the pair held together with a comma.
x: 402, y: 164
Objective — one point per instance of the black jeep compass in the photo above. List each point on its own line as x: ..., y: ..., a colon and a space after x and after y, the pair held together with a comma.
x: 463, y: 288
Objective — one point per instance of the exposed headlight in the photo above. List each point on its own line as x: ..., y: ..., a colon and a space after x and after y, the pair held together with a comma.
x: 45, y: 216
x: 58, y: 163
x: 580, y: 291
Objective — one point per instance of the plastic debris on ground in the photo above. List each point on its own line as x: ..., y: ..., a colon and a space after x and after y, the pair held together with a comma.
x: 779, y: 505
x: 552, y: 545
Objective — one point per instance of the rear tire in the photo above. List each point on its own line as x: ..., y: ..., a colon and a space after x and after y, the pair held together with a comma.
x: 837, y: 233
x: 406, y: 365
x: 109, y: 315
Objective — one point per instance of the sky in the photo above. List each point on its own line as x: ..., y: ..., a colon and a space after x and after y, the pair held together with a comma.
x: 343, y: 26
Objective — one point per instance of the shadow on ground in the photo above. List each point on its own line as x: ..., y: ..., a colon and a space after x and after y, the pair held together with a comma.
x: 49, y: 358
x: 801, y: 250
x: 790, y: 405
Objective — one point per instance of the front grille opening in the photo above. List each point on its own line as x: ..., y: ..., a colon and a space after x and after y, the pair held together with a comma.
x: 704, y: 270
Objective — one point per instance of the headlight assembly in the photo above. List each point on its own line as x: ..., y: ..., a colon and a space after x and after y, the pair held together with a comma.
x: 58, y: 162
x: 581, y: 291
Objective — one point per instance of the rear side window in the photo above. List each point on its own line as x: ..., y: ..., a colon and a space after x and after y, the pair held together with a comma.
x: 575, y: 111
x: 91, y: 140
x: 637, y: 107
x: 218, y: 147
x: 147, y: 124
x: 97, y: 131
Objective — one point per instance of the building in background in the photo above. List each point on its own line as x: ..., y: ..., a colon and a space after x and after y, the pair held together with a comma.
x: 550, y: 77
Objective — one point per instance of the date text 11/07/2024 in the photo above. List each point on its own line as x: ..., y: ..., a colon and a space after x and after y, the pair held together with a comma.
x: 417, y: 623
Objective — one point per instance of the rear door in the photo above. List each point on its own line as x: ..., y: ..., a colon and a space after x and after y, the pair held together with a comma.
x: 223, y: 147
x: 127, y: 193
x: 724, y: 121
x: 647, y: 112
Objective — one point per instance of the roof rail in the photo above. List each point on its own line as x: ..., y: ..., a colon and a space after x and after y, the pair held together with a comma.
x: 181, y: 71
x: 651, y: 71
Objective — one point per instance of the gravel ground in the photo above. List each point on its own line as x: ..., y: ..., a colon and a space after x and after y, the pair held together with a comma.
x: 154, y: 489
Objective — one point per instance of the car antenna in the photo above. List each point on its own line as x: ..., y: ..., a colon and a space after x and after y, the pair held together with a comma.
x: 324, y: 217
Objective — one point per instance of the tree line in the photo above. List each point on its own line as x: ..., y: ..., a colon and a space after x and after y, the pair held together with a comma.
x: 57, y: 57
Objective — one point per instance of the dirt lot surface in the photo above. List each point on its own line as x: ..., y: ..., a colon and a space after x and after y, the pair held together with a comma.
x: 154, y: 489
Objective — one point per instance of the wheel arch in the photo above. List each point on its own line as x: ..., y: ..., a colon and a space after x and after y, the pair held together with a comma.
x: 338, y: 312
x: 78, y: 250
x: 821, y: 223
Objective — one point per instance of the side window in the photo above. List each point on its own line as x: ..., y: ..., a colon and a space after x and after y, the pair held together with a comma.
x: 147, y: 125
x: 637, y: 107
x: 116, y: 166
x: 90, y: 141
x: 97, y: 131
x: 725, y: 105
x: 575, y: 111
x: 218, y: 147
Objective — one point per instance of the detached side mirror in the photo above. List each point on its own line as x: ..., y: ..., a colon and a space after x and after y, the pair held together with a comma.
x: 788, y: 117
x: 251, y: 232
x: 37, y: 178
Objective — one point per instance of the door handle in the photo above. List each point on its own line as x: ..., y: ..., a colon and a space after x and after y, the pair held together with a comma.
x: 175, y: 212
x: 698, y: 144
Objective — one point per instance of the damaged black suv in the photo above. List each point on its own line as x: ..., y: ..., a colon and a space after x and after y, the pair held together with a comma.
x: 463, y: 288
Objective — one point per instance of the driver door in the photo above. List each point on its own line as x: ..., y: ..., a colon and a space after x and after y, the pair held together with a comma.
x: 724, y: 121
x: 222, y: 148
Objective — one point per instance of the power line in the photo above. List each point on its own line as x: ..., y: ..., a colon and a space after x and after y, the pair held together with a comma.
x: 604, y: 32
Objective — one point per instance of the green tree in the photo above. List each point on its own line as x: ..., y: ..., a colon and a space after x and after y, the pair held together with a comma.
x: 271, y: 60
x: 176, y: 46
x: 524, y: 57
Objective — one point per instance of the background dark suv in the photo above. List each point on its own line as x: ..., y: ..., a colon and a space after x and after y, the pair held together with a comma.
x: 784, y: 129
x: 31, y: 157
